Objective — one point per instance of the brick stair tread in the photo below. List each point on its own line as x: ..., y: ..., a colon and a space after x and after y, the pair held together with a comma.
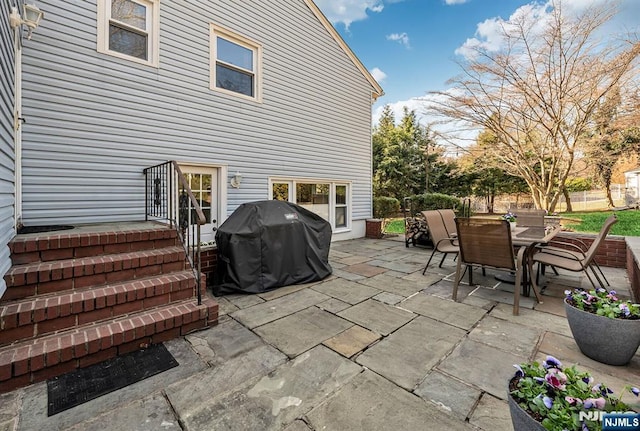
x: 27, y: 311
x: 70, y: 239
x: 32, y: 355
x: 19, y: 275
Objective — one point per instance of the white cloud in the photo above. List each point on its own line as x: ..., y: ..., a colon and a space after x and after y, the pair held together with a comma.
x: 490, y: 33
x: 378, y: 74
x: 450, y: 2
x: 348, y: 11
x: 403, y: 38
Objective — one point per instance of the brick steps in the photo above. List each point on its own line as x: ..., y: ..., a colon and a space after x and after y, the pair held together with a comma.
x: 36, y: 316
x: 30, y: 361
x: 74, y: 299
x: 39, y: 278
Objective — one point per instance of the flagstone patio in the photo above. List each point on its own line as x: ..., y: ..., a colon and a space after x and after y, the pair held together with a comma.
x: 375, y: 346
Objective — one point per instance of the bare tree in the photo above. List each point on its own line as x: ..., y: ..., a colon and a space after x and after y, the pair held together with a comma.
x: 538, y: 93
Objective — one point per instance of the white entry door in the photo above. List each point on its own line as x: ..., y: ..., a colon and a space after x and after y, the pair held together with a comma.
x: 204, y: 184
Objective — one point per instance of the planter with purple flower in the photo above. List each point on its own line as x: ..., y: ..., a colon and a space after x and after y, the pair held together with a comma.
x: 549, y: 397
x: 605, y: 327
x: 511, y: 218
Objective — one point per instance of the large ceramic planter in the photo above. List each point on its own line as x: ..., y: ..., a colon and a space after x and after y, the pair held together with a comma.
x: 610, y: 341
x: 520, y: 418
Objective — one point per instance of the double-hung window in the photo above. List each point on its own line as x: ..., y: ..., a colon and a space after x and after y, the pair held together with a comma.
x: 129, y: 29
x: 235, y: 64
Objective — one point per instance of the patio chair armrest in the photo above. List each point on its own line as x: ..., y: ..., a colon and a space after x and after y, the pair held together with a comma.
x: 583, y: 246
x: 520, y: 256
x: 562, y: 252
x: 557, y: 253
x: 453, y: 241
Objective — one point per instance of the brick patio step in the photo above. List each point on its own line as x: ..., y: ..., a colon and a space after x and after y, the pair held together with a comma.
x: 77, y: 299
x: 40, y: 315
x: 40, y: 278
x: 30, y: 361
x: 46, y: 248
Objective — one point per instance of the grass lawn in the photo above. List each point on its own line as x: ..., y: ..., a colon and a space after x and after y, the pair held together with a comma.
x: 628, y: 222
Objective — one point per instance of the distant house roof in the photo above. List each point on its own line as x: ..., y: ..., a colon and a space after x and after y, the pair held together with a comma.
x: 377, y: 89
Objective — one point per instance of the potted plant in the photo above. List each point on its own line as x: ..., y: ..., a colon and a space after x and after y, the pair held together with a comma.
x: 547, y: 397
x: 511, y: 218
x: 605, y: 327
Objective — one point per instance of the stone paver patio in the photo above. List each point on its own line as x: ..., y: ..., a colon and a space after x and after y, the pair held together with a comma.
x: 375, y: 346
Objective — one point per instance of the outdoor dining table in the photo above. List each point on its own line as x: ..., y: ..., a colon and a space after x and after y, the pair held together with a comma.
x: 529, y: 237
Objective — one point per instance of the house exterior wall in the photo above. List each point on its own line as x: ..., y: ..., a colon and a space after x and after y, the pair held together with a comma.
x: 632, y: 186
x: 95, y: 121
x: 7, y: 97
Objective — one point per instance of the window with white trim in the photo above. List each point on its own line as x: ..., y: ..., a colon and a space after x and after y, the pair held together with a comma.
x: 129, y: 29
x: 235, y: 64
x: 329, y: 199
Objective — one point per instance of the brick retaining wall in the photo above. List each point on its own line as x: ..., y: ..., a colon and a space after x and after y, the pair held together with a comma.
x: 612, y: 253
x: 209, y: 261
x: 374, y: 228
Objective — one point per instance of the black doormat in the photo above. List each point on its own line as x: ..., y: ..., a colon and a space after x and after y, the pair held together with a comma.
x: 85, y: 384
x: 41, y: 229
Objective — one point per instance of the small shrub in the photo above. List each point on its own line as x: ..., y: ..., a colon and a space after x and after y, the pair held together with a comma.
x: 385, y: 207
x: 434, y: 201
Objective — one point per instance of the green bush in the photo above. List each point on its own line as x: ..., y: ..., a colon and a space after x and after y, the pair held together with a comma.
x: 385, y: 207
x: 434, y: 201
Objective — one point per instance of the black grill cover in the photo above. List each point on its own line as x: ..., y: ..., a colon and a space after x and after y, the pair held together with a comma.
x: 268, y: 244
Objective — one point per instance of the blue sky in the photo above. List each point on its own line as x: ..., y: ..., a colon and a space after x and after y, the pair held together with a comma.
x: 411, y: 46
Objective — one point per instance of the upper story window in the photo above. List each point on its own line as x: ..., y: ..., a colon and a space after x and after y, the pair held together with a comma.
x: 129, y: 29
x: 235, y: 64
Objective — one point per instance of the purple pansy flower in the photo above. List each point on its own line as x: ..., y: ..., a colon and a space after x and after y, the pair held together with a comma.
x: 551, y: 362
x: 519, y: 372
x: 556, y: 378
x: 598, y: 403
x: 635, y: 391
x: 548, y: 402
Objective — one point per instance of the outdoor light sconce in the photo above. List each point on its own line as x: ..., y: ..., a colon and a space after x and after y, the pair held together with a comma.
x: 32, y: 17
x: 236, y: 180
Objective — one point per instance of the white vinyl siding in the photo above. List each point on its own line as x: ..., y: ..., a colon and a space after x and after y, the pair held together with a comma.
x: 95, y: 121
x: 7, y: 158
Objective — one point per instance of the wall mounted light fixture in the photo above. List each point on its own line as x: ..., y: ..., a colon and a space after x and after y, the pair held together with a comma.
x: 236, y: 180
x: 32, y: 18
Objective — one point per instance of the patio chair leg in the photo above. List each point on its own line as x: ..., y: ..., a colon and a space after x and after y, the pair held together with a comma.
x: 586, y: 272
x: 444, y: 256
x: 429, y: 261
x: 534, y: 285
x: 602, y: 273
x: 596, y: 275
x: 457, y: 279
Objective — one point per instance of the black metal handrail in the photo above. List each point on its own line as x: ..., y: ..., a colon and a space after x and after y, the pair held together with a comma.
x: 168, y: 196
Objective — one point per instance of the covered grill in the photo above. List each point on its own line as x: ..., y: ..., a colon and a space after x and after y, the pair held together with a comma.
x: 269, y: 244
